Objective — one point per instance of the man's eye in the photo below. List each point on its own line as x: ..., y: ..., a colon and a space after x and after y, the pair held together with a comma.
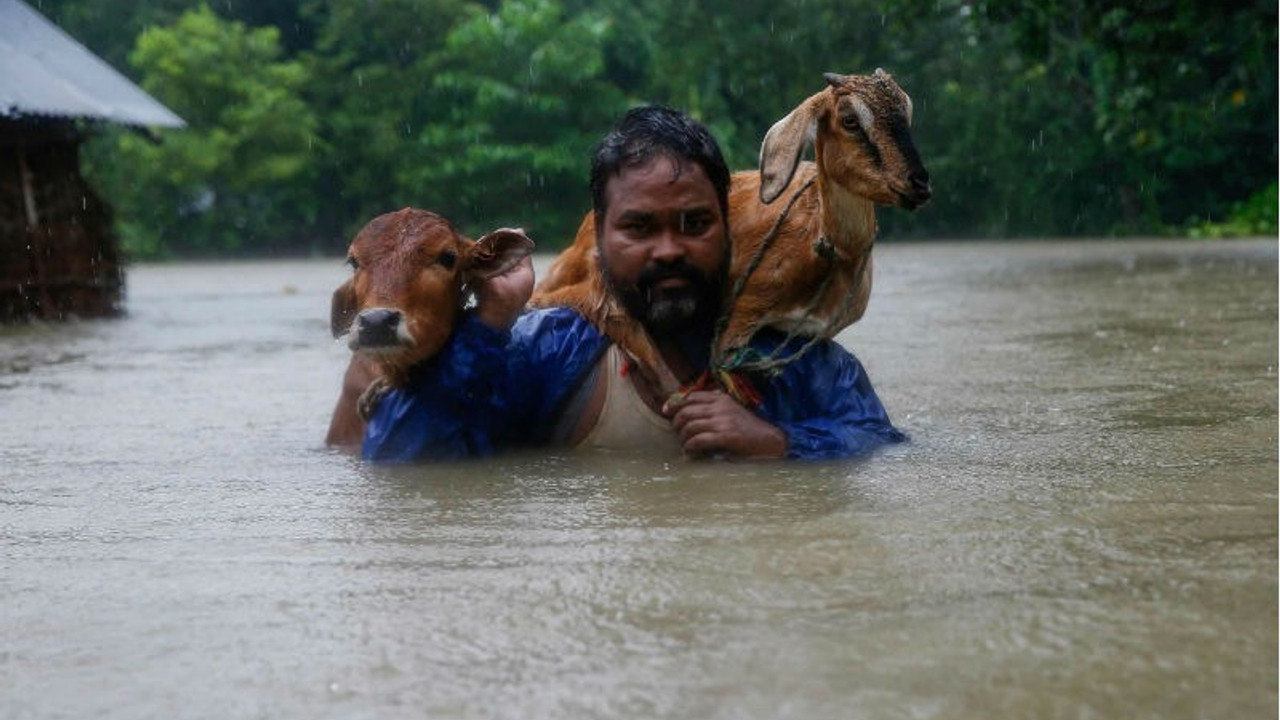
x: 637, y: 229
x: 695, y: 224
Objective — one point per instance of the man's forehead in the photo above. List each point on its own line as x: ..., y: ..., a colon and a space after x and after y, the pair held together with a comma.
x: 695, y: 211
x: 661, y: 160
x: 659, y: 175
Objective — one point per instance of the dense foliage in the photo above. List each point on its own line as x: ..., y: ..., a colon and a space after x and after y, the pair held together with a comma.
x: 1035, y: 117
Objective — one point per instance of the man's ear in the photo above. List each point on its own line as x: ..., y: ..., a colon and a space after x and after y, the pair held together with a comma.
x: 342, y: 310
x: 496, y: 252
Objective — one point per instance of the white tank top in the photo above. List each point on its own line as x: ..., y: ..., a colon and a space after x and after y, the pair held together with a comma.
x: 626, y: 422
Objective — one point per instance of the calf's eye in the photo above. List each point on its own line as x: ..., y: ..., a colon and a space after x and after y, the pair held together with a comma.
x: 448, y: 259
x: 351, y: 260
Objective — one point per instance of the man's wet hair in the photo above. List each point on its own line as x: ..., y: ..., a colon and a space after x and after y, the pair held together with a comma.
x: 651, y: 131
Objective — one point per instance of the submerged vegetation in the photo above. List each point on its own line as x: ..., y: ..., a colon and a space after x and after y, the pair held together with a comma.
x: 1034, y: 117
x: 1253, y: 217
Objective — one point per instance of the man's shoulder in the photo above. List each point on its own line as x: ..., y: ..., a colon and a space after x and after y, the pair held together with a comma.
x: 553, y: 349
x: 557, y: 330
x: 549, y: 318
x: 553, y: 321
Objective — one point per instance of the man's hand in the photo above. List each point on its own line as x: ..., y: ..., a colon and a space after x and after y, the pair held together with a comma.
x: 709, y: 421
x: 501, y: 298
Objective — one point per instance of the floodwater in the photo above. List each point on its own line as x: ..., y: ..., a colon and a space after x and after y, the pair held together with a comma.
x: 1083, y: 525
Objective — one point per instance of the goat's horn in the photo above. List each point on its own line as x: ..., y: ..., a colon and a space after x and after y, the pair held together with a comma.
x: 835, y: 80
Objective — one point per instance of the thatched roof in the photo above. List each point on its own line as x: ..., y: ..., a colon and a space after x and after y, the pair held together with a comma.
x: 44, y: 72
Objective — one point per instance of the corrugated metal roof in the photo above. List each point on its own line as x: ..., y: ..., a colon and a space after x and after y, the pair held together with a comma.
x: 45, y: 72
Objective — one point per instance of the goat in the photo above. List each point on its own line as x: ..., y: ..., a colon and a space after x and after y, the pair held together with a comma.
x: 409, y: 282
x: 803, y: 266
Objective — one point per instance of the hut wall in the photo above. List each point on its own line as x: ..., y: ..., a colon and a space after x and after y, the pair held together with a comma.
x: 58, y: 255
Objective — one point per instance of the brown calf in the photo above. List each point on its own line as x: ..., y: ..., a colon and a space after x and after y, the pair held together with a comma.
x: 409, y: 282
x: 804, y: 264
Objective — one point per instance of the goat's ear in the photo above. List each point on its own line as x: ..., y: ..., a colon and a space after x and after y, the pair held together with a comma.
x: 781, y: 150
x: 497, y: 252
x: 342, y: 310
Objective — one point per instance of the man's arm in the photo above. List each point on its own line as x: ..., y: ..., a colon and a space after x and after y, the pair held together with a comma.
x: 500, y: 299
x: 448, y: 409
x: 490, y: 389
x: 827, y: 407
x: 444, y: 412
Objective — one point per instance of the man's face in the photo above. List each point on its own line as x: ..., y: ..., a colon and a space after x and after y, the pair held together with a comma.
x: 662, y: 244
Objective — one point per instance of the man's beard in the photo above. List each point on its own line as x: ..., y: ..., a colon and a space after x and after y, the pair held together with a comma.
x: 669, y: 312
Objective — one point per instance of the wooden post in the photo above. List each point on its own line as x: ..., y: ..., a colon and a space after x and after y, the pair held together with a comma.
x: 28, y: 192
x: 36, y: 241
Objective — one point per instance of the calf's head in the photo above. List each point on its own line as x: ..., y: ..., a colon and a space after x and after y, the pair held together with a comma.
x: 409, y: 282
x: 861, y: 130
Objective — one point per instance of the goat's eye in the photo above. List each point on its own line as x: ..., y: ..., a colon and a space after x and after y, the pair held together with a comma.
x: 448, y: 258
x: 850, y: 123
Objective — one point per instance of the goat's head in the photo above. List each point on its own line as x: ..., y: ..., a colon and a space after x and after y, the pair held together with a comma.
x: 861, y: 130
x: 411, y: 269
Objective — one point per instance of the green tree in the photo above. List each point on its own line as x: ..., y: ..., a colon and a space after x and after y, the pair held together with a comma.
x: 1034, y: 117
x: 372, y: 66
x: 740, y: 65
x: 1067, y: 117
x: 516, y: 102
x: 239, y: 177
x: 1179, y: 97
x: 110, y: 27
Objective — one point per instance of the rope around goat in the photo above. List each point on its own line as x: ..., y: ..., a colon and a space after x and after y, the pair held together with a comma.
x: 741, y: 283
x: 746, y: 360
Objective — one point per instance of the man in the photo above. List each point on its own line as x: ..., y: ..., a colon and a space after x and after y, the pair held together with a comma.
x: 511, y: 378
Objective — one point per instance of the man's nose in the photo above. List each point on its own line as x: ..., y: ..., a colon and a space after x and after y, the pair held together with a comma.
x: 667, y: 248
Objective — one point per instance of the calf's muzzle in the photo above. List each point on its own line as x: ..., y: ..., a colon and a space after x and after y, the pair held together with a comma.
x: 379, y: 328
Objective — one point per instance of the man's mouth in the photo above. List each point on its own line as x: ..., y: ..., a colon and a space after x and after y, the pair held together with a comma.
x: 663, y: 279
x: 671, y: 283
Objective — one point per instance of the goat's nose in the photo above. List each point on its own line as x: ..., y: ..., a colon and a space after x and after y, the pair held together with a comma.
x: 920, y: 185
x: 378, y: 327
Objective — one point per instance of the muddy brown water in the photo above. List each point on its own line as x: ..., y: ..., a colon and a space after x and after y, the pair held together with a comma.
x: 1082, y: 526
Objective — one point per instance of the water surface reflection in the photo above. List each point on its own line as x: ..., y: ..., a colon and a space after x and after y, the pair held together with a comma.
x: 1083, y: 524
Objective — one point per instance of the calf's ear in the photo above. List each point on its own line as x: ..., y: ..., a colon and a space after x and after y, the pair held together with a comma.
x: 342, y: 310
x: 496, y: 252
